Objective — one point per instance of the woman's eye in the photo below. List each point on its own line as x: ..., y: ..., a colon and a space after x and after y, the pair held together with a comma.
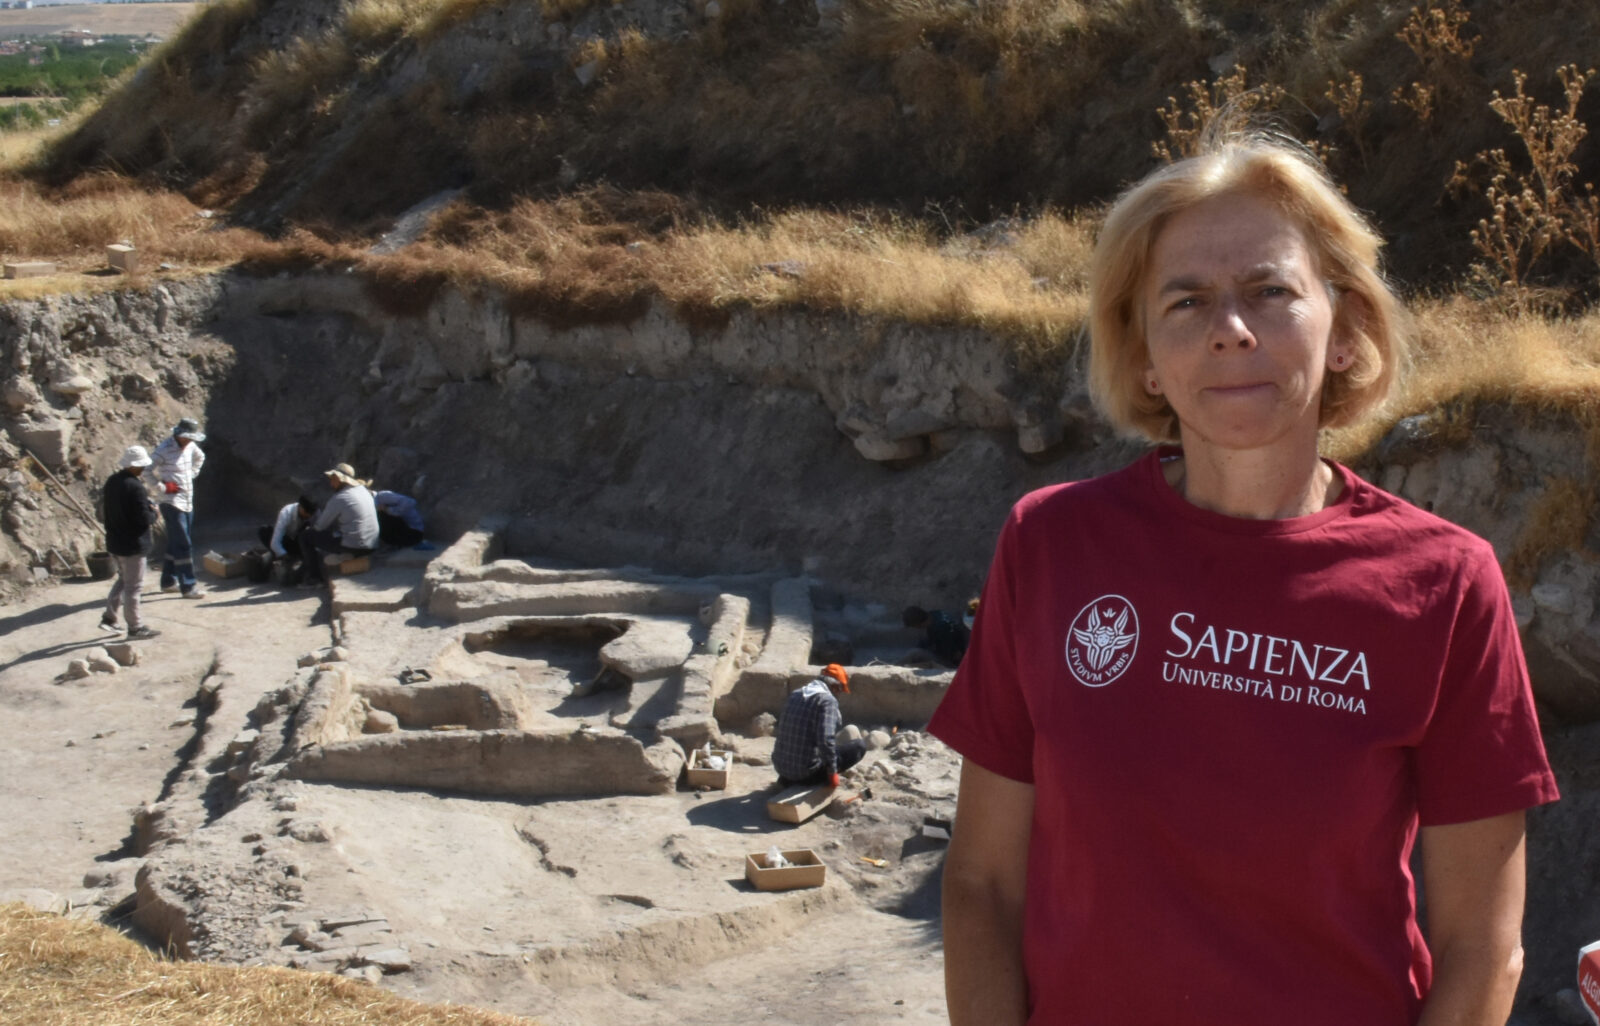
x: 1274, y: 290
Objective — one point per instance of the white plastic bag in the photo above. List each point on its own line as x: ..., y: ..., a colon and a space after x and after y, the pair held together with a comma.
x: 775, y: 859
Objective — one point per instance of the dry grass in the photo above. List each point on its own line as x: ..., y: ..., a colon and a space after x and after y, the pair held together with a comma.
x: 601, y: 254
x: 1469, y: 351
x: 55, y: 971
x: 73, y: 225
x: 1557, y: 523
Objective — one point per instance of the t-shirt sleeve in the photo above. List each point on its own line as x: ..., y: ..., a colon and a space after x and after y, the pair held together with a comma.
x: 1482, y: 754
x: 984, y: 714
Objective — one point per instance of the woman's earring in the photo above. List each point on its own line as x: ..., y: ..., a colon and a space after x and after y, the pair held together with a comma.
x: 1340, y: 360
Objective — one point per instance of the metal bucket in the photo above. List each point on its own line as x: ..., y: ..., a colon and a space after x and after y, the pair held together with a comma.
x: 101, y: 565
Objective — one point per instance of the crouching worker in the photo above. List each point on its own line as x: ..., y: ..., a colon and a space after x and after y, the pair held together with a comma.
x: 283, y: 533
x: 347, y: 525
x: 806, y: 752
x: 399, y: 520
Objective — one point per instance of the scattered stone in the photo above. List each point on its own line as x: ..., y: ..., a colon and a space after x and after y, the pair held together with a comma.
x: 100, y: 661
x: 763, y: 725
x: 127, y: 654
x: 390, y: 960
x: 71, y: 743
x: 308, y: 833
x: 586, y: 72
x: 368, y: 973
x: 879, y: 739
x: 337, y: 654
x: 186, y: 720
x: 76, y: 670
x: 380, y: 722
x: 72, y: 387
x: 18, y: 394
x: 242, y: 741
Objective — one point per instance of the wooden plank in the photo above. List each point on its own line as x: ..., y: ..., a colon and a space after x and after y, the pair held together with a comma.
x: 798, y: 804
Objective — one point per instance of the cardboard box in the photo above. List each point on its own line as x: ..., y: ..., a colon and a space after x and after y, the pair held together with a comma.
x: 30, y: 269
x: 223, y: 564
x: 798, y: 804
x: 805, y: 870
x: 698, y: 774
x: 123, y: 258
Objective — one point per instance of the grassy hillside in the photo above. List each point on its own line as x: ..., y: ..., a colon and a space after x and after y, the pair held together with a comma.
x: 939, y: 161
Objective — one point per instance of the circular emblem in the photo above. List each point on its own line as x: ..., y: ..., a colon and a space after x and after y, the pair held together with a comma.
x: 1102, y: 640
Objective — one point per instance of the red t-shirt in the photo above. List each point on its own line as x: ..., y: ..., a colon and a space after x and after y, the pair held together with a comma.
x: 1233, y: 728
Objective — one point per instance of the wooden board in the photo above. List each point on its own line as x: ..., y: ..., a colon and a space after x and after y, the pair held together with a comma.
x: 798, y: 804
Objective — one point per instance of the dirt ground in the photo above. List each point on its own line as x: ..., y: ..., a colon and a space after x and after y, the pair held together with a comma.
x: 627, y: 909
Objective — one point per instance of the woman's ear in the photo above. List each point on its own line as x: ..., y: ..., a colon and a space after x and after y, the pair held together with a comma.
x: 1349, y: 320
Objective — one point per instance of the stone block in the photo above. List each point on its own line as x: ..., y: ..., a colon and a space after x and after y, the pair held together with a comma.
x: 122, y: 257
x: 30, y: 269
x: 49, y: 440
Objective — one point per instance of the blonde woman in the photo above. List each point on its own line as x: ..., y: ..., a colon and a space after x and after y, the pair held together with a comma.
x: 1213, y: 700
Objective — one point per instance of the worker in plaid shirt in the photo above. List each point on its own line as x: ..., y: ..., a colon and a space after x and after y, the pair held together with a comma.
x: 806, y: 751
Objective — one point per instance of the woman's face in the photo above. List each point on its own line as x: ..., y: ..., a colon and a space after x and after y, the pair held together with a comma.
x: 1238, y: 323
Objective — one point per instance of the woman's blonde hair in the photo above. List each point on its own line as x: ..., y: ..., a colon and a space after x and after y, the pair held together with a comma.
x: 1345, y: 244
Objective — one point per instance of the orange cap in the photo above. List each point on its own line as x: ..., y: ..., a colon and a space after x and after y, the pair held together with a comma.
x: 836, y: 671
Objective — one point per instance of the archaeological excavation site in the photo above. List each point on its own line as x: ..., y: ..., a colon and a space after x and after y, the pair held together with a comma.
x: 698, y: 383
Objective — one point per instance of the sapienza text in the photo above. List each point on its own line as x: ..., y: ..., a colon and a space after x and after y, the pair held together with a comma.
x: 1267, y: 653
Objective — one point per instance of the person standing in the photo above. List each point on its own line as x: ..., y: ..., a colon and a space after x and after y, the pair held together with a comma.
x: 1214, y: 700
x: 347, y: 525
x: 128, y: 515
x: 806, y: 751
x: 177, y: 462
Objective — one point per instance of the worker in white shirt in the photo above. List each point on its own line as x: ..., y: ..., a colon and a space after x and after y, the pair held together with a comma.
x: 176, y: 462
x: 282, y: 537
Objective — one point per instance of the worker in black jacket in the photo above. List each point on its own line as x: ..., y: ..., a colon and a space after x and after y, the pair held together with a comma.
x: 129, y: 514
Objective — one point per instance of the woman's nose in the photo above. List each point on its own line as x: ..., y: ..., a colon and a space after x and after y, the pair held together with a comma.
x: 1229, y: 331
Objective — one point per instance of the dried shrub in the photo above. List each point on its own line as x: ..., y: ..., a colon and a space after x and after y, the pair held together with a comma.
x: 1227, y: 101
x: 1537, y: 211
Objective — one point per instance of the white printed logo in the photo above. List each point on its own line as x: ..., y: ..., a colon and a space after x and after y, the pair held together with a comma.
x: 1102, y: 640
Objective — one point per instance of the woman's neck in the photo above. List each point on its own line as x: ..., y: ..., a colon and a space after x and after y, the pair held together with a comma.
x: 1254, y: 485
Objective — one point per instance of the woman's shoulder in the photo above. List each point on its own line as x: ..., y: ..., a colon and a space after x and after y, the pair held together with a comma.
x: 1067, y: 497
x: 1379, y: 514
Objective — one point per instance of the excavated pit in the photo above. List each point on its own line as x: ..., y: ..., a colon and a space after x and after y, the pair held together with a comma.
x: 734, y: 506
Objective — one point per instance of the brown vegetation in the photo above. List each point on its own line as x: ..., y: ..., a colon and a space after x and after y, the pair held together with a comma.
x: 906, y: 118
x: 55, y: 970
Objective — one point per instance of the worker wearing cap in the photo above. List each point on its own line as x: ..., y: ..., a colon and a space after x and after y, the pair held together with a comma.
x: 176, y: 462
x: 806, y: 751
x: 347, y: 525
x: 128, y: 516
